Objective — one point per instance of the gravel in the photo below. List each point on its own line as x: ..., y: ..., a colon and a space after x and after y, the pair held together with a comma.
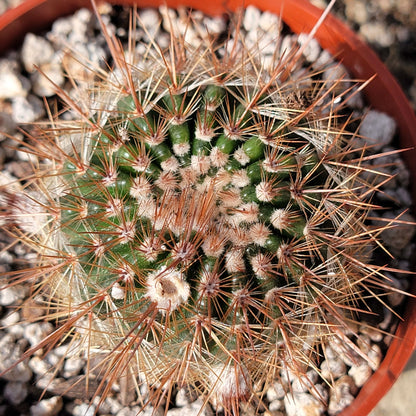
x: 387, y: 25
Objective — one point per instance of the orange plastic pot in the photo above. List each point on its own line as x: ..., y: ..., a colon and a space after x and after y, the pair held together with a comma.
x: 383, y: 94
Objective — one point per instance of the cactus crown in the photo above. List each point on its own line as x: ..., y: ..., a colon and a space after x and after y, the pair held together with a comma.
x: 205, y: 217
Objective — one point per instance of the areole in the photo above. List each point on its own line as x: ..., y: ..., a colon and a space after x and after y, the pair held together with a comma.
x: 383, y: 93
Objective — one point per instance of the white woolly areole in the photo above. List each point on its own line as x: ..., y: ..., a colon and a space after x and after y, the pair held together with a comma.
x: 171, y: 164
x: 234, y: 261
x: 117, y: 291
x: 265, y: 191
x: 200, y: 164
x: 181, y: 149
x: 231, y: 382
x: 240, y: 178
x: 241, y: 156
x: 167, y: 288
x: 279, y: 219
x: 259, y: 233
x: 218, y: 158
x: 141, y: 188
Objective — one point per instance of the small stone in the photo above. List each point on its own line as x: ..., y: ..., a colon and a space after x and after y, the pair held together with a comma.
x: 275, y: 405
x: 397, y: 236
x: 342, y: 395
x: 251, y: 18
x: 39, y: 366
x: 303, y: 404
x: 333, y: 368
x: 147, y: 411
x: 305, y: 383
x: 48, y: 80
x: 35, y: 333
x: 15, y: 392
x: 356, y: 11
x: 373, y: 333
x: 276, y: 391
x: 27, y: 109
x: 12, y: 295
x: 376, y: 33
x: 325, y: 59
x: 73, y: 367
x: 287, y: 44
x: 374, y: 357
x: 404, y: 197
x: 195, y: 408
x: 36, y: 51
x: 150, y: 19
x: 345, y: 351
x: 47, y: 407
x: 11, y: 84
x: 84, y: 409
x: 110, y: 405
x: 10, y: 319
x: 337, y: 77
x: 312, y: 49
x: 269, y: 22
x: 377, y: 129
x: 184, y: 397
x: 7, y: 125
x: 360, y: 374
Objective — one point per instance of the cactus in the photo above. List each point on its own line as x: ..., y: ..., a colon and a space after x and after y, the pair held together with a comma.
x: 203, y: 222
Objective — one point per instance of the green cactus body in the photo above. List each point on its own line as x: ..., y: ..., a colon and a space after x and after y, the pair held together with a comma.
x: 211, y: 228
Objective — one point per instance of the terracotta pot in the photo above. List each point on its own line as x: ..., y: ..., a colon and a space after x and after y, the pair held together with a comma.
x: 383, y: 93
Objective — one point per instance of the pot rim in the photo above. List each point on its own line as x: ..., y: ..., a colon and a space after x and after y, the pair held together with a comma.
x: 384, y: 94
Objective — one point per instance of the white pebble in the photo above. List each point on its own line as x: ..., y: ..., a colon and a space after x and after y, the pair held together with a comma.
x: 397, y: 236
x: 333, y: 74
x: 182, y: 398
x: 275, y: 405
x: 73, y: 367
x: 287, y: 44
x: 10, y: 319
x: 303, y: 404
x: 360, y: 374
x: 345, y: 351
x: 251, y: 18
x: 312, y: 49
x: 12, y: 85
x: 388, y: 315
x: 342, y: 394
x: 50, y: 77
x: 195, y: 408
x: 84, y: 409
x: 333, y: 368
x: 39, y: 366
x: 27, y: 109
x: 269, y: 22
x: 374, y: 334
x: 36, y: 51
x: 276, y: 391
x: 136, y: 410
x: 15, y: 392
x: 150, y: 19
x: 47, y: 407
x: 304, y: 383
x: 374, y: 357
x: 377, y: 129
x: 37, y: 332
x: 12, y: 295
